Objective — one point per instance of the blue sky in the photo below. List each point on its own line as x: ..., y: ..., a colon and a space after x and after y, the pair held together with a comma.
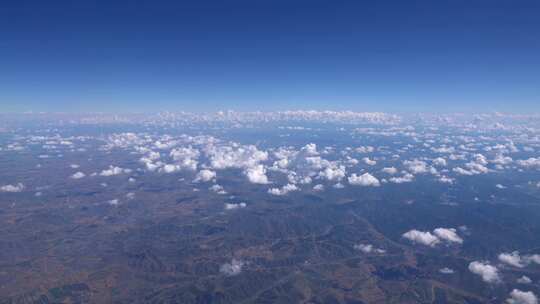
x: 399, y: 56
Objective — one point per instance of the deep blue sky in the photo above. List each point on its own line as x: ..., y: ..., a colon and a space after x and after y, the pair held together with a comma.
x: 405, y: 55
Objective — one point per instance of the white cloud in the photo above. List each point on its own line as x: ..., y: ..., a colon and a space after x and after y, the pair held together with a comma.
x: 529, y: 163
x: 390, y: 170
x: 524, y: 280
x: 489, y: 273
x: 364, y: 149
x: 448, y: 234
x: 233, y: 268
x: 446, y: 270
x: 333, y: 173
x: 205, y: 175
x: 257, y: 174
x: 318, y: 187
x: 365, y: 179
x: 229, y: 206
x: 369, y: 162
x: 421, y: 237
x: 114, y: 171
x: 185, y: 158
x: 407, y: 178
x: 283, y: 190
x: 12, y: 188
x: 368, y: 248
x: 439, y: 161
x: 78, y: 175
x: 522, y: 297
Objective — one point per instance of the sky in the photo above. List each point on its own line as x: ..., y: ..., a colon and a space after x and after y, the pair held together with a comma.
x: 392, y: 56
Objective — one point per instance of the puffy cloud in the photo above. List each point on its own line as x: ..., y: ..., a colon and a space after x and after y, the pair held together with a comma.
x: 233, y: 268
x: 185, y: 158
x: 368, y: 248
x: 114, y: 171
x: 78, y: 175
x: 516, y: 260
x: 318, y: 187
x: 333, y: 173
x: 283, y: 190
x: 439, y: 161
x: 416, y: 166
x: 489, y: 273
x: 257, y: 174
x: 235, y: 156
x: 446, y: 270
x: 205, y: 175
x: 12, y: 188
x: 524, y: 280
x: 446, y: 180
x: 407, y: 178
x: 218, y: 189
x: 229, y: 206
x: 529, y: 163
x: 522, y: 297
x: 369, y: 162
x: 390, y: 170
x: 364, y: 149
x: 448, y: 234
x: 365, y: 179
x: 421, y: 237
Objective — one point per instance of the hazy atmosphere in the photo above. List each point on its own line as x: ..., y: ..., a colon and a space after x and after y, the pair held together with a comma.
x: 261, y: 152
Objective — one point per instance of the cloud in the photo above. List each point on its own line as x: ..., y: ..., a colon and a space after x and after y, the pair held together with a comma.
x: 185, y: 158
x: 333, y: 173
x: 233, y: 268
x: 256, y: 174
x: 524, y: 280
x: 369, y: 162
x: 368, y: 248
x: 114, y: 171
x: 448, y: 234
x: 229, y: 206
x: 407, y: 178
x: 318, y: 187
x: 489, y: 273
x: 439, y: 161
x: 365, y: 179
x: 390, y: 170
x: 421, y: 237
x: 446, y: 270
x: 205, y: 175
x: 12, y: 188
x: 283, y: 190
x: 522, y: 297
x: 529, y: 163
x: 516, y: 260
x: 78, y: 175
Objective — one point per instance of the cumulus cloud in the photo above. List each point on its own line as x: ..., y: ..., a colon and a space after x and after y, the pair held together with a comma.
x: 524, y: 280
x: 257, y: 174
x: 233, y: 268
x: 333, y: 173
x: 421, y: 237
x: 369, y: 162
x: 522, y: 297
x: 78, y: 175
x: 283, y: 190
x: 12, y: 188
x: 114, y: 171
x: 448, y: 234
x: 516, y: 260
x: 365, y: 179
x: 229, y: 206
x: 205, y: 175
x: 489, y: 273
x: 390, y: 170
x: 368, y: 248
x: 406, y: 178
x: 529, y: 163
x: 446, y: 270
x: 318, y: 187
x: 185, y: 158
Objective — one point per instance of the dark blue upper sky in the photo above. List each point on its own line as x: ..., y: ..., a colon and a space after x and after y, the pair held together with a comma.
x: 270, y: 55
